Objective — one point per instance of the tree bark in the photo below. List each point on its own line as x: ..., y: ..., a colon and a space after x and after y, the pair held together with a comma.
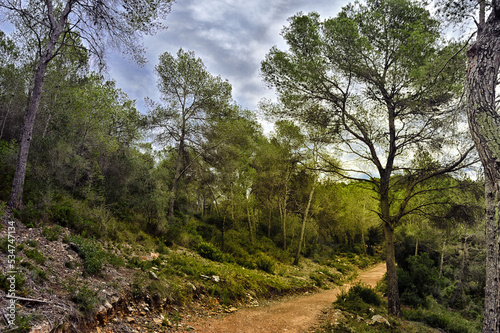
x: 177, y: 176
x: 484, y: 123
x: 46, y: 55
x: 462, y: 273
x: 441, y: 261
x: 304, y: 220
x: 394, y: 305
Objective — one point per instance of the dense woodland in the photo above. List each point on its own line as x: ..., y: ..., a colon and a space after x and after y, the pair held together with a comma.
x: 370, y: 153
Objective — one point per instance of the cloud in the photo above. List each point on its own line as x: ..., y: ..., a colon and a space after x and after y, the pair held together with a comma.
x: 232, y: 37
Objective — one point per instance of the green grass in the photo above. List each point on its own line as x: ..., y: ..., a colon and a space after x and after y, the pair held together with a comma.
x: 435, y: 315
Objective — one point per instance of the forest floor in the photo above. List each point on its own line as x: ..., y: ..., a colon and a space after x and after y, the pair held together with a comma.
x: 294, y: 314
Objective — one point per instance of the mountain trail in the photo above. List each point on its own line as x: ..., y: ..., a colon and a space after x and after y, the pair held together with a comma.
x: 296, y: 315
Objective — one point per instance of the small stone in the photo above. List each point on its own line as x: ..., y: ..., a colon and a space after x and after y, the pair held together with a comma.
x: 381, y: 320
x: 231, y: 309
x: 216, y: 278
x: 108, y: 305
x: 153, y: 275
x: 130, y: 320
x: 157, y: 321
x: 142, y: 313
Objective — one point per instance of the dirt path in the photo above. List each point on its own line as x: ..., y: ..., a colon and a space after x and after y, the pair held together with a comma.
x: 293, y: 316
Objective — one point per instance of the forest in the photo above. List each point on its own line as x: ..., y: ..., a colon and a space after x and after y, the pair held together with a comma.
x: 384, y: 148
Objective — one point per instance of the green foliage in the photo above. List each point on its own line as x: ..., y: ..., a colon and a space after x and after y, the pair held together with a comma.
x: 419, y: 280
x: 35, y: 255
x: 209, y: 251
x: 265, y: 263
x: 86, y: 298
x: 17, y: 280
x: 52, y: 233
x: 4, y: 244
x: 91, y: 253
x: 358, y: 299
x: 30, y: 215
x: 22, y: 324
x: 439, y: 317
x: 321, y: 276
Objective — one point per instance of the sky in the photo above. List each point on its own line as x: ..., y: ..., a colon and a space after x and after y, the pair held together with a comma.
x: 231, y: 37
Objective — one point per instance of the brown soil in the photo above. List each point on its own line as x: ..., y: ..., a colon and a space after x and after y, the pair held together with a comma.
x: 299, y: 314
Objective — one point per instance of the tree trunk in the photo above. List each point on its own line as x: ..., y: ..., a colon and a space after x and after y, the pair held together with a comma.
x: 250, y: 228
x: 16, y: 194
x: 177, y: 176
x: 462, y: 272
x: 269, y: 224
x: 304, y: 220
x: 484, y: 123
x: 46, y: 55
x: 394, y: 305
x: 441, y: 262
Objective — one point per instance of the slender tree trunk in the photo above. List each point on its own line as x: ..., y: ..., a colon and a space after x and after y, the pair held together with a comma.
x: 16, y: 195
x: 441, y: 262
x: 462, y: 272
x: 304, y: 220
x: 269, y: 224
x: 177, y: 176
x: 4, y: 121
x: 283, y: 215
x: 46, y: 55
x: 416, y: 247
x: 250, y: 229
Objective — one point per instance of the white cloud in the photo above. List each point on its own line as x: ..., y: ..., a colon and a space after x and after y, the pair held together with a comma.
x: 232, y: 37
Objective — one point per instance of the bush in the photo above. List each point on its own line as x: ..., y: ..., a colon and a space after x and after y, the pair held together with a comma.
x: 209, y: 251
x: 36, y: 256
x: 265, y: 263
x: 6, y: 281
x: 438, y: 317
x: 90, y: 252
x: 418, y: 281
x: 358, y: 299
x: 86, y: 298
x: 52, y: 233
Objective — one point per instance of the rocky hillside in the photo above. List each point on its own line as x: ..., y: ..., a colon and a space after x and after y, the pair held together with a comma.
x: 53, y: 281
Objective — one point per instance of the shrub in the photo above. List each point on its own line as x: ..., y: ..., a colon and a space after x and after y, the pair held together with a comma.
x: 419, y: 280
x: 209, y: 251
x: 358, y: 299
x: 6, y: 281
x: 438, y: 317
x: 90, y: 252
x: 86, y: 298
x: 34, y: 255
x: 265, y: 263
x: 52, y: 233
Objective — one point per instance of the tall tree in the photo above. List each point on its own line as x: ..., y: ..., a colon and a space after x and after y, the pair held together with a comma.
x: 379, y: 74
x: 53, y: 25
x: 191, y: 98
x: 484, y: 123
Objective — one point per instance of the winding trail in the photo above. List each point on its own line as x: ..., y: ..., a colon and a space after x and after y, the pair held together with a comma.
x: 296, y: 315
